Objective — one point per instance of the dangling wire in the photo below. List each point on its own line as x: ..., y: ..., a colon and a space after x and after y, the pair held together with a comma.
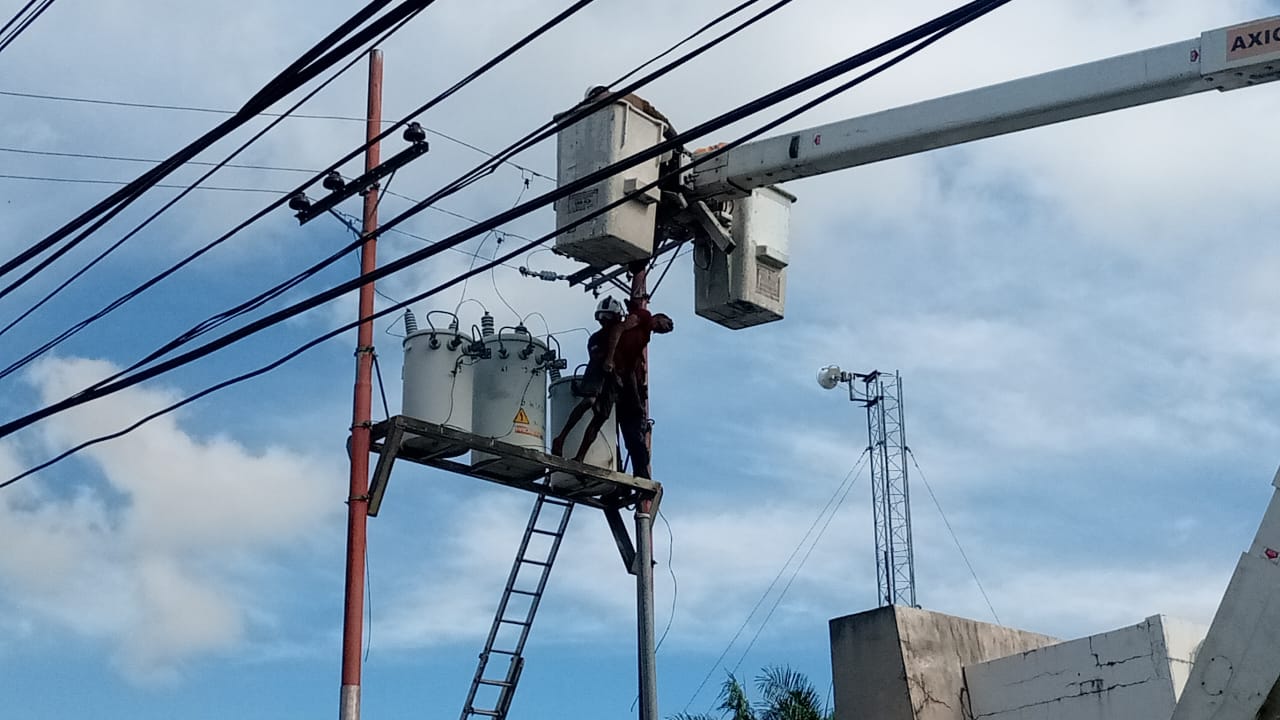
x: 499, y: 236
x: 675, y: 252
x: 493, y: 272
x: 385, y: 189
x: 377, y: 369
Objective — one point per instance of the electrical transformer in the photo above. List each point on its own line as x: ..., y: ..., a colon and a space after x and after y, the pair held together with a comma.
x: 625, y: 233
x: 746, y: 285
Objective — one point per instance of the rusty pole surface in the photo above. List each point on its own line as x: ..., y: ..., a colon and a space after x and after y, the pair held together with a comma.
x: 358, y: 500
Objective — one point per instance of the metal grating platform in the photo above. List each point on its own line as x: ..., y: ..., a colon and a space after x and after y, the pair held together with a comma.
x: 387, y: 437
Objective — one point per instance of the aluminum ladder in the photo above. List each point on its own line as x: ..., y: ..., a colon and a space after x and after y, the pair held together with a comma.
x: 514, y: 618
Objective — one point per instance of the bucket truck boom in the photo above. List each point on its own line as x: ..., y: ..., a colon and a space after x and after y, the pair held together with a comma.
x: 1224, y: 59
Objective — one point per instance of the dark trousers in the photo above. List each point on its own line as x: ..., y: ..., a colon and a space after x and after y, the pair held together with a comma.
x: 634, y: 425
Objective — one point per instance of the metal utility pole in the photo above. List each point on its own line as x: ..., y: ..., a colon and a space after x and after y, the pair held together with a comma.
x: 881, y: 394
x: 890, y: 495
x: 361, y: 416
x: 646, y: 650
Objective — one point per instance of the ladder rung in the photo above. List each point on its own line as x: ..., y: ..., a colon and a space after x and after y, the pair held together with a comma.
x: 536, y: 562
x: 552, y: 533
x: 558, y: 503
x: 503, y: 652
x: 515, y: 622
x: 523, y: 592
x: 486, y: 713
x: 495, y: 683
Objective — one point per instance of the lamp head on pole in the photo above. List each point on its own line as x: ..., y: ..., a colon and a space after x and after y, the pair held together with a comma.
x: 832, y: 375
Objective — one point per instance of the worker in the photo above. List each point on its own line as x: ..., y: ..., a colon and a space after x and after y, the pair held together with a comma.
x: 631, y: 374
x: 597, y: 388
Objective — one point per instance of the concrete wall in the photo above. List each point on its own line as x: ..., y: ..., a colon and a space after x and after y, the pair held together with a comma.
x: 1134, y: 673
x: 897, y: 663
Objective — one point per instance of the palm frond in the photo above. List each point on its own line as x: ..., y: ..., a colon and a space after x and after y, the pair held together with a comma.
x: 734, y: 700
x: 787, y: 695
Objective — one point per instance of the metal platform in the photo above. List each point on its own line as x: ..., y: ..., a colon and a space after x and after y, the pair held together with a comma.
x: 387, y: 437
x: 621, y: 491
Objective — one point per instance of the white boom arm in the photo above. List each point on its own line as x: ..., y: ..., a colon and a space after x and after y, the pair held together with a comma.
x: 1224, y: 59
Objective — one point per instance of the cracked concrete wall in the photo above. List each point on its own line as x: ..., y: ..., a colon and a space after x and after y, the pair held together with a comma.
x: 1134, y: 673
x: 897, y: 663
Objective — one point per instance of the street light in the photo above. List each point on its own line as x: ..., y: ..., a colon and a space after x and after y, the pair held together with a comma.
x: 832, y: 375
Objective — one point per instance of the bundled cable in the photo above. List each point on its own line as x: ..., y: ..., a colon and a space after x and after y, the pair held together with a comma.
x: 906, y: 44
x: 20, y: 21
x: 284, y: 197
x: 323, y: 55
x: 539, y: 134
x: 186, y: 190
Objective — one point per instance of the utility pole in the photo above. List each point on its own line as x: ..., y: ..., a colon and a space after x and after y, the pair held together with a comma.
x: 361, y: 416
x: 646, y: 650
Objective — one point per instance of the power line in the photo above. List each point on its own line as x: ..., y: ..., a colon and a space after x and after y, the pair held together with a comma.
x: 151, y: 161
x: 841, y: 488
x: 22, y: 24
x: 922, y: 36
x: 219, y: 188
x: 323, y: 55
x: 220, y: 111
x: 17, y: 16
x: 163, y: 186
x: 350, y: 220
x: 115, y: 382
x: 716, y: 21
x: 188, y: 189
x: 794, y: 573
x: 471, y: 176
x: 954, y: 537
x: 500, y: 57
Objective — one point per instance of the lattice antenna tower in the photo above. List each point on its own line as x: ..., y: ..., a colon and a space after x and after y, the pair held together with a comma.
x: 890, y: 488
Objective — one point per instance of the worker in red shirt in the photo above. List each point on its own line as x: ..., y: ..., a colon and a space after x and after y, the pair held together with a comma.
x: 597, y: 389
x: 628, y: 366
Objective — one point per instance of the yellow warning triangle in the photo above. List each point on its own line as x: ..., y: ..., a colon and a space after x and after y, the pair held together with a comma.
x: 521, y: 417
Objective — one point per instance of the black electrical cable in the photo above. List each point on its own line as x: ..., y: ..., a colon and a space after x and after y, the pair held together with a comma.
x: 153, y: 161
x: 195, y: 185
x: 546, y: 130
x: 386, y: 408
x: 320, y: 57
x: 26, y: 23
x: 220, y: 111
x: 575, y: 115
x: 842, y: 489
x: 721, y: 18
x: 259, y: 102
x: 16, y: 16
x: 110, y: 307
x: 924, y: 36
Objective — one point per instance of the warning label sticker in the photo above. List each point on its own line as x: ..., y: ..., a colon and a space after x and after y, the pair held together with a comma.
x: 521, y: 417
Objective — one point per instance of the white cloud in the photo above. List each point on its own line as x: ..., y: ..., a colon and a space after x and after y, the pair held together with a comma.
x: 155, y: 561
x: 1099, y: 287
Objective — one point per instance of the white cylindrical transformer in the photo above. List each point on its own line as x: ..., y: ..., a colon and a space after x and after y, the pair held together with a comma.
x: 510, y: 400
x: 438, y: 379
x: 603, y: 451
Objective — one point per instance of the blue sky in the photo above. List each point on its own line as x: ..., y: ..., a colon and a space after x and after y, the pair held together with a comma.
x: 1084, y: 316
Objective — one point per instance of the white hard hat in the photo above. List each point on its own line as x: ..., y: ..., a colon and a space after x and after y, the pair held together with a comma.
x: 609, y: 306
